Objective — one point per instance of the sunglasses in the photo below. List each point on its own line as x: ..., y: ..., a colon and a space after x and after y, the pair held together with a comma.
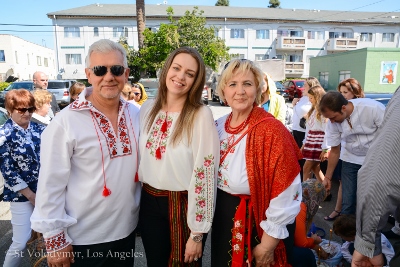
x: 24, y: 110
x: 136, y: 93
x: 116, y: 70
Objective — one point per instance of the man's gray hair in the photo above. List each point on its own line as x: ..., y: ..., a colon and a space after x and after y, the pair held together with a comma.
x: 106, y: 46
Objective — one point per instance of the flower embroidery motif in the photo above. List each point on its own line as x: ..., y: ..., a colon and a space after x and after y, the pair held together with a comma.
x: 203, y: 189
x: 157, y: 138
x: 296, y: 196
x: 56, y: 242
x: 225, y: 147
x: 237, y: 236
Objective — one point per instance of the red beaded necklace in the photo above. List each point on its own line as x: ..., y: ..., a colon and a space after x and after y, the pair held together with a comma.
x: 235, y: 130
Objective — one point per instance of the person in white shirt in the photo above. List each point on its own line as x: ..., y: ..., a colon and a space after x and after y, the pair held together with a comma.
x: 351, y: 128
x: 87, y: 205
x: 179, y: 150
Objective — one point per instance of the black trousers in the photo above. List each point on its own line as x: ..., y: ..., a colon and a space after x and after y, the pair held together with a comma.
x: 299, y: 137
x: 119, y: 253
x: 155, y: 230
x: 221, y: 235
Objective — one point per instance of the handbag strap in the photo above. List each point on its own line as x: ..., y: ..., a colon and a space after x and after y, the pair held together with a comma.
x: 240, y: 138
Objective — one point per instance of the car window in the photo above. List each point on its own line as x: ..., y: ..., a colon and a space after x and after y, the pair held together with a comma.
x: 58, y: 85
x: 28, y: 86
x: 300, y: 84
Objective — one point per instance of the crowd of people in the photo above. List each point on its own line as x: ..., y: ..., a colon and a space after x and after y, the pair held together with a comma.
x: 89, y: 176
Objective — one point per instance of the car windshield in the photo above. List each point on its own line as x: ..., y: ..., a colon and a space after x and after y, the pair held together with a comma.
x: 150, y: 86
x: 19, y: 85
x: 300, y: 84
x: 58, y: 85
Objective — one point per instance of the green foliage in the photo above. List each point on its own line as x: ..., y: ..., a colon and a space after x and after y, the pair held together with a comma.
x: 3, y: 85
x: 189, y: 30
x: 274, y: 4
x: 222, y: 3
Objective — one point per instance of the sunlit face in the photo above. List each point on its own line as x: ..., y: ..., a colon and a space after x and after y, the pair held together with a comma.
x: 136, y: 94
x: 40, y: 80
x: 22, y: 119
x: 44, y: 109
x: 338, y: 117
x: 240, y: 91
x: 306, y: 88
x: 346, y: 93
x: 181, y: 75
x: 108, y: 86
x: 312, y: 99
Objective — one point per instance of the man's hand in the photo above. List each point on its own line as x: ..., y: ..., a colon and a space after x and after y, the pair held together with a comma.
x: 193, y: 250
x: 61, y: 258
x: 359, y: 260
x: 327, y: 183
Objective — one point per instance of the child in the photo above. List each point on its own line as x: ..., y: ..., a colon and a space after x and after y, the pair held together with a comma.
x: 315, y: 148
x: 345, y: 227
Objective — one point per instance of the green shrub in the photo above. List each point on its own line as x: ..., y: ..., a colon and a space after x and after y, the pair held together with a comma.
x: 3, y: 85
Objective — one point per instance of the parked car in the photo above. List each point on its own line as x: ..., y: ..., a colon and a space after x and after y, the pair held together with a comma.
x: 3, y: 119
x: 281, y: 90
x: 15, y: 85
x: 294, y: 88
x: 60, y: 89
x: 384, y: 98
x: 213, y: 87
x: 150, y: 86
x: 204, y: 95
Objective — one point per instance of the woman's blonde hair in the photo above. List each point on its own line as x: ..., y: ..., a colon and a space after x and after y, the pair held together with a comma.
x: 241, y: 66
x: 312, y: 81
x: 193, y: 100
x: 317, y: 92
x: 271, y: 86
x: 41, y: 97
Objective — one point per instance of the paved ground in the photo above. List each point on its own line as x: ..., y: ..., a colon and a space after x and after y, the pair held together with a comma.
x: 325, y: 209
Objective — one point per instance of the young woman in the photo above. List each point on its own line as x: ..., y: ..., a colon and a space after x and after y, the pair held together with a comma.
x: 179, y: 149
x: 315, y: 148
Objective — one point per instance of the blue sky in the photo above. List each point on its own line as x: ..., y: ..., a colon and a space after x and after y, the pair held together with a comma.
x: 34, y: 12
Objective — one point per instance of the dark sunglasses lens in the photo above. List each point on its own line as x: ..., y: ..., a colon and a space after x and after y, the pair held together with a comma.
x: 23, y: 110
x: 31, y: 109
x: 137, y: 94
x: 99, y: 70
x: 117, y: 70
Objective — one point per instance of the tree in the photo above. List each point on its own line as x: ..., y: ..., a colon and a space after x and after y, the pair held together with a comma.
x: 222, y: 3
x: 274, y: 4
x: 140, y: 21
x: 189, y: 30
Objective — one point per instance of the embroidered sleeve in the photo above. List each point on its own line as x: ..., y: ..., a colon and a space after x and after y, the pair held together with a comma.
x: 282, y: 212
x: 56, y: 241
x: 202, y: 189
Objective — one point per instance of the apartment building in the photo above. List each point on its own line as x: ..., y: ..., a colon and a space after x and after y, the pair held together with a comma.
x: 253, y: 33
x: 21, y: 58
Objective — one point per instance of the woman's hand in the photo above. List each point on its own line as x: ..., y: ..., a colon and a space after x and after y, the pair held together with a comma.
x: 317, y: 239
x: 28, y: 193
x: 262, y: 256
x: 193, y: 250
x: 294, y: 101
x: 61, y: 258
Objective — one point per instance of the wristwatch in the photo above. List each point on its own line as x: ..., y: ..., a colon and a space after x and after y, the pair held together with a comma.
x: 196, y: 238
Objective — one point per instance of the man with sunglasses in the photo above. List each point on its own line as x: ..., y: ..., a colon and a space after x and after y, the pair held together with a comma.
x: 350, y: 130
x: 40, y: 81
x: 89, y: 195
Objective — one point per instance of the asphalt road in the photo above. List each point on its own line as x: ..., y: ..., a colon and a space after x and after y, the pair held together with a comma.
x: 325, y: 209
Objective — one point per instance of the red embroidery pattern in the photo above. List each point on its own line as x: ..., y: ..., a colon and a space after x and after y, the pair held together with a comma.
x: 56, y: 242
x: 79, y: 105
x: 157, y: 138
x: 237, y: 236
x: 204, y: 188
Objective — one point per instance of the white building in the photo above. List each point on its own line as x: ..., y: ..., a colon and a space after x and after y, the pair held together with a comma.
x: 252, y: 33
x: 21, y: 58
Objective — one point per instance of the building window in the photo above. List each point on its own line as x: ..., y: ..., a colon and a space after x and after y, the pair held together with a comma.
x: 46, y: 62
x: 73, y: 59
x: 341, y: 35
x: 323, y: 79
x: 344, y: 74
x: 261, y: 57
x: 287, y: 33
x: 96, y: 31
x: 366, y: 37
x: 72, y: 32
x: 29, y: 61
x: 317, y: 35
x: 2, y: 56
x: 237, y: 56
x: 262, y: 34
x: 294, y: 58
x: 237, y: 33
x: 120, y: 32
x: 388, y: 37
x: 39, y: 61
x: 16, y: 57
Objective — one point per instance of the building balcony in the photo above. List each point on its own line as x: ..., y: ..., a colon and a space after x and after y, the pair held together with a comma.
x: 342, y: 44
x: 291, y: 43
x: 294, y: 67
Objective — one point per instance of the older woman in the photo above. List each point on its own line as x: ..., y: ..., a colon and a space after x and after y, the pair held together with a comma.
x: 258, y: 176
x: 19, y: 164
x: 42, y: 104
x: 271, y: 101
x: 178, y: 166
